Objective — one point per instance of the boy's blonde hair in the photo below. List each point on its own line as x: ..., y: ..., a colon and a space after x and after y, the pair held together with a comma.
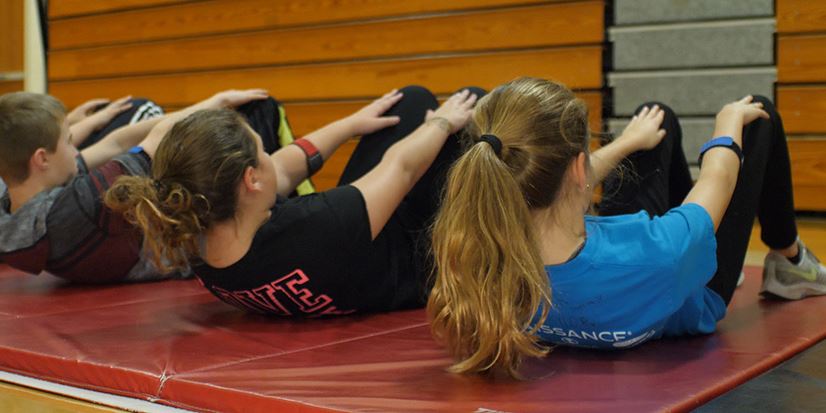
x: 28, y: 121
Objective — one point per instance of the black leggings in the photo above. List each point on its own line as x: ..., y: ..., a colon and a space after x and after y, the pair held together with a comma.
x: 659, y: 179
x: 423, y: 200
x: 407, y: 230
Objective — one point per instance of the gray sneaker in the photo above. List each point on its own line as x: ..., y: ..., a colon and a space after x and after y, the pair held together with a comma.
x: 790, y: 281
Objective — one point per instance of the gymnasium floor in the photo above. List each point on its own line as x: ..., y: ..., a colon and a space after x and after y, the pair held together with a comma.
x: 798, y: 385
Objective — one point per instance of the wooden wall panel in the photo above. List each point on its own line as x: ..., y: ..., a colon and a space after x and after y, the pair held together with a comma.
x: 65, y: 8
x: 801, y: 95
x: 803, y: 108
x: 801, y: 59
x: 579, y: 68
x: 11, y: 35
x: 221, y: 16
x: 808, y: 173
x: 481, y: 31
x: 7, y: 86
x: 801, y: 16
x: 324, y: 59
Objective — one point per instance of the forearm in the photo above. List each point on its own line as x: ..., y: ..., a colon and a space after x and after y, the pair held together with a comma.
x: 605, y: 159
x: 719, y: 171
x: 118, y: 142
x: 330, y: 137
x: 415, y: 153
x: 81, y: 130
x: 163, y: 124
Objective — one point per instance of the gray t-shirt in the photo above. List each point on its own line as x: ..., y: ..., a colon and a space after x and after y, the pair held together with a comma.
x: 68, y: 232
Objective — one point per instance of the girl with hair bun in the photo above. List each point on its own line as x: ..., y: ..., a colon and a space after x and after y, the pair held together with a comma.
x: 217, y: 201
x: 519, y: 262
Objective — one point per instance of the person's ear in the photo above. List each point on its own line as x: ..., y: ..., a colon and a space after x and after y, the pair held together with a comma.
x: 580, y: 170
x: 39, y: 160
x: 251, y: 181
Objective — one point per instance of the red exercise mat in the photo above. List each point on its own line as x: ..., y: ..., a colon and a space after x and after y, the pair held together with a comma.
x: 174, y: 343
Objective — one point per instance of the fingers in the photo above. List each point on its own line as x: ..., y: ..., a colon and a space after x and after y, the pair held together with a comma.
x: 387, y: 121
x: 257, y: 94
x: 94, y: 102
x: 390, y: 94
x: 661, y: 134
x: 746, y: 100
x: 660, y: 116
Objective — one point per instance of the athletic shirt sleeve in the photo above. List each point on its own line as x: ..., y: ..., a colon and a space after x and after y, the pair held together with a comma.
x: 689, y: 231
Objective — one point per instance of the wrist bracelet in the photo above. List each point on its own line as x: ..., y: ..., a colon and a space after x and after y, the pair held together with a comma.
x: 314, y: 159
x: 722, y: 142
x: 441, y: 122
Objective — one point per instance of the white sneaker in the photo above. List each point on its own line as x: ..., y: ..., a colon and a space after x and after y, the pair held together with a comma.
x: 793, y: 282
x: 741, y: 279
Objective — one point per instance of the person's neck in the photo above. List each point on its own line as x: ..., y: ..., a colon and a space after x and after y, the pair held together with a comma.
x: 560, y: 231
x: 226, y: 242
x: 21, y: 193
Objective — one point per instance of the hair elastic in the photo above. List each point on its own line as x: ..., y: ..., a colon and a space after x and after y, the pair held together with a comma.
x: 494, y: 142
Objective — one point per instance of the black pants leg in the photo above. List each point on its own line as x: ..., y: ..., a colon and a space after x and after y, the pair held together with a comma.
x: 406, y: 232
x: 264, y: 118
x: 422, y: 202
x: 654, y: 181
x: 141, y: 109
x: 764, y: 189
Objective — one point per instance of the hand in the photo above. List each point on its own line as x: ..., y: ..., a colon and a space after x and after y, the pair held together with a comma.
x: 233, y: 98
x: 644, y: 133
x: 102, y: 117
x: 85, y: 109
x: 743, y: 109
x: 456, y: 110
x: 369, y: 118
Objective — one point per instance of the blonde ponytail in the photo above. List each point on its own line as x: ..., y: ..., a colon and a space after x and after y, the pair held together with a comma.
x: 490, y: 278
x: 491, y: 290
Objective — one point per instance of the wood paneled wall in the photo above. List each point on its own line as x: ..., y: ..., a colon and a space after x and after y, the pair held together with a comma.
x: 322, y: 58
x: 11, y: 51
x: 801, y: 95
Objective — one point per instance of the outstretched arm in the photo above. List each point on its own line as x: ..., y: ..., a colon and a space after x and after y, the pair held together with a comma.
x: 643, y: 133
x: 291, y: 162
x: 407, y: 160
x: 228, y: 98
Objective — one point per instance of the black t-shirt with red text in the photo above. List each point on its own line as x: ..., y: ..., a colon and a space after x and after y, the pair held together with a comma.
x: 314, y: 257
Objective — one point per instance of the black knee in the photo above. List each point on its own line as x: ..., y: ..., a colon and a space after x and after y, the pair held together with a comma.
x: 667, y: 109
x: 475, y: 90
x: 144, y: 108
x: 415, y: 100
x: 418, y: 93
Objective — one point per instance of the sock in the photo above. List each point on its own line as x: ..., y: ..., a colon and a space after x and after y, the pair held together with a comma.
x: 796, y: 259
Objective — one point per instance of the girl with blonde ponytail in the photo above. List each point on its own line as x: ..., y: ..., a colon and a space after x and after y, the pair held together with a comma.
x: 520, y: 265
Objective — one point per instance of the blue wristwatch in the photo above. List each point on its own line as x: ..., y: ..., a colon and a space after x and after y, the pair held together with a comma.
x: 722, y: 141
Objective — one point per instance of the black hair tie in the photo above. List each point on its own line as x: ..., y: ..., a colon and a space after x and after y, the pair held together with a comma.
x: 494, y: 142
